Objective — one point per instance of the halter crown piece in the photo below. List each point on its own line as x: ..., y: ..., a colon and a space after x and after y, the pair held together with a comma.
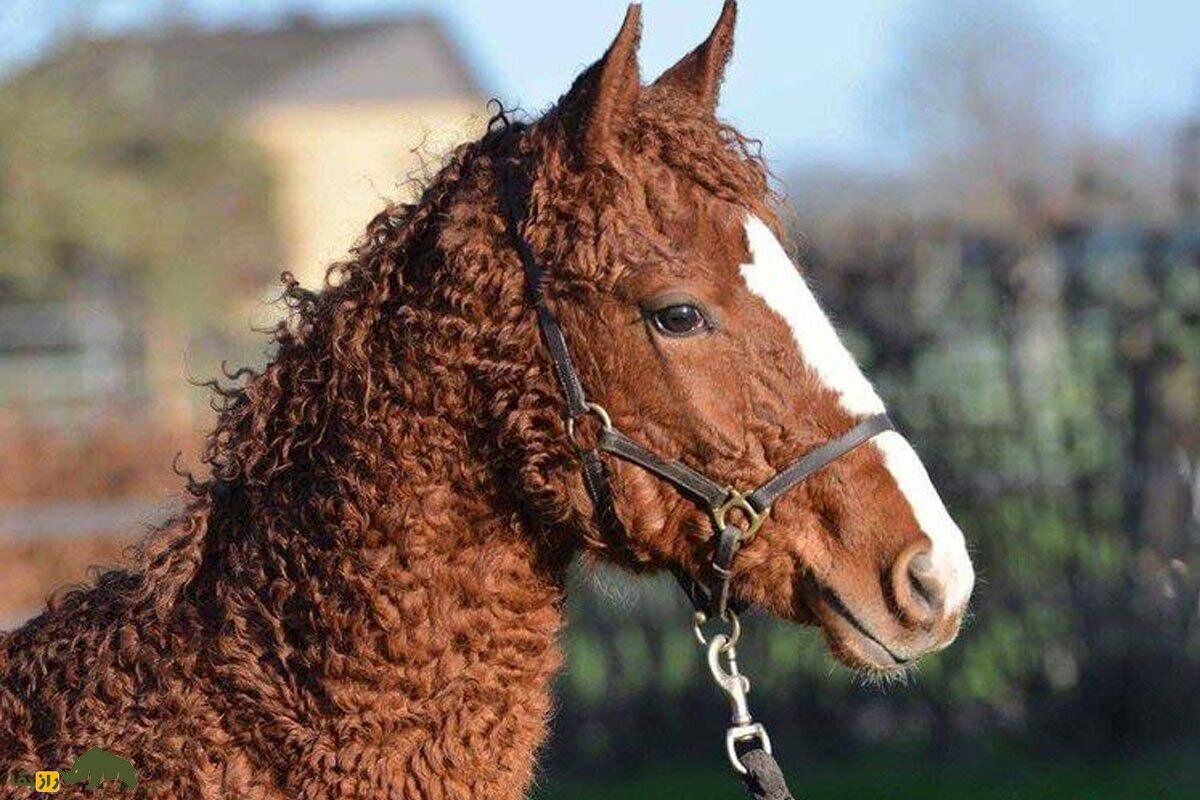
x: 724, y: 503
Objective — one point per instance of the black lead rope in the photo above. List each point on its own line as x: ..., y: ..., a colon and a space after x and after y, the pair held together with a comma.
x: 723, y: 503
x: 764, y: 779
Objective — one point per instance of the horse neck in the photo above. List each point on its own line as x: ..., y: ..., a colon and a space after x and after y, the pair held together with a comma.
x: 408, y: 615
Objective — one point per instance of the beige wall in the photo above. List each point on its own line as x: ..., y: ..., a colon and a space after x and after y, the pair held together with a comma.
x: 337, y: 164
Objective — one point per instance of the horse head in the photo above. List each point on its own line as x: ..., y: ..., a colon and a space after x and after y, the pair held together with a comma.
x: 700, y: 338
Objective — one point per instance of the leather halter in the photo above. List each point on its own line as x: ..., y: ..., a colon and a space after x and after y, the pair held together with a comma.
x: 717, y: 498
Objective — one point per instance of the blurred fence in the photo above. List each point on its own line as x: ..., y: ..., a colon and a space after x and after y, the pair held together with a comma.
x: 64, y: 358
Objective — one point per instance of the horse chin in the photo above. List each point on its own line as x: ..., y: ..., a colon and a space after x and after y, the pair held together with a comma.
x: 850, y: 642
x: 864, y: 654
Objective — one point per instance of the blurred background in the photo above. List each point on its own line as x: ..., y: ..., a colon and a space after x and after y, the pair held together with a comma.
x: 999, y: 202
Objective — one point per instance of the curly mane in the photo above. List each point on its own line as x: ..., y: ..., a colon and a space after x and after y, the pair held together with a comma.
x: 406, y: 409
x: 341, y: 353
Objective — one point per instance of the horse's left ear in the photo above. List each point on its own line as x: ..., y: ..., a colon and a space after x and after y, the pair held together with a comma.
x: 700, y: 72
x: 607, y: 89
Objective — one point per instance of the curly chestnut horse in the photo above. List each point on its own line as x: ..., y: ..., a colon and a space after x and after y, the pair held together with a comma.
x: 362, y: 599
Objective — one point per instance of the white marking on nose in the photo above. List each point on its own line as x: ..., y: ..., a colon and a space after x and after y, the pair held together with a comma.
x: 951, y: 563
x: 771, y: 276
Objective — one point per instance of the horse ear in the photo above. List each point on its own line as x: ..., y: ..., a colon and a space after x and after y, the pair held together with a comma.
x: 606, y: 89
x: 700, y: 72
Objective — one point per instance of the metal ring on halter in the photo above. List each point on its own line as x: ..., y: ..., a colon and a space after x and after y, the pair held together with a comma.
x: 599, y: 411
x: 735, y: 628
x: 735, y: 500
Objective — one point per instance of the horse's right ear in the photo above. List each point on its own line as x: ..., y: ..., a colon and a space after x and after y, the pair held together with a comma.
x: 700, y: 72
x: 605, y: 91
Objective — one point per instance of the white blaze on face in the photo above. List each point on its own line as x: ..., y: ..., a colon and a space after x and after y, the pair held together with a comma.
x: 773, y: 277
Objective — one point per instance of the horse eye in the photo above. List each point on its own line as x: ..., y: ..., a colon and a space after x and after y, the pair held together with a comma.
x: 682, y: 319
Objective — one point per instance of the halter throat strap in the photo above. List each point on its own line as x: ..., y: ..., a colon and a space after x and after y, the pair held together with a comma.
x: 720, y: 500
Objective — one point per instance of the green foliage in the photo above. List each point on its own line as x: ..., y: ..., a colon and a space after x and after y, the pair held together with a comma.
x: 104, y: 180
x: 589, y: 667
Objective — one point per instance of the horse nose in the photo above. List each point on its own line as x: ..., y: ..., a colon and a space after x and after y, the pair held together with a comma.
x: 918, y: 589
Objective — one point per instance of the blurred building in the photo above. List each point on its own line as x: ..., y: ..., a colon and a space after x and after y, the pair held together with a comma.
x: 343, y: 115
x: 347, y: 115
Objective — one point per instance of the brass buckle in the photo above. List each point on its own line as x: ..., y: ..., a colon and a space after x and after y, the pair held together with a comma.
x: 600, y: 412
x: 736, y: 500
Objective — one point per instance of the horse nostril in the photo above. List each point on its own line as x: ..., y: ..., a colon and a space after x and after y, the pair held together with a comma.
x: 925, y: 583
x: 920, y: 593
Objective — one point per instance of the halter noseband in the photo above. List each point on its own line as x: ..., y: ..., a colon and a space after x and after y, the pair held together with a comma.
x: 718, y: 499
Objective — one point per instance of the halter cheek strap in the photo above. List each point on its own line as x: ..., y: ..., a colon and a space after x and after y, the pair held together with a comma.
x: 723, y: 502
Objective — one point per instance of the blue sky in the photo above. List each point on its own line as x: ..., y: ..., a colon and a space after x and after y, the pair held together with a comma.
x: 807, y: 77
